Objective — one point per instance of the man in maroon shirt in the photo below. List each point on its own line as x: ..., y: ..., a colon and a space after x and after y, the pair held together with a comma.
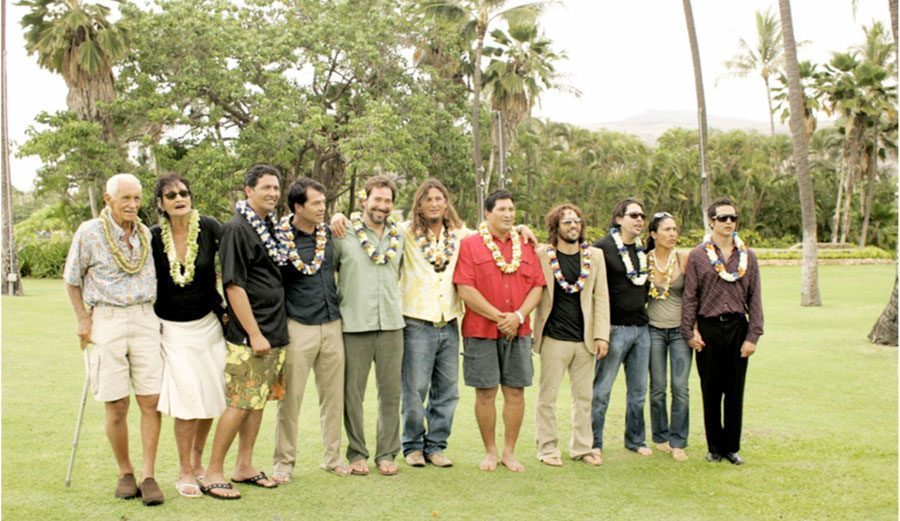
x: 722, y: 298
x: 500, y: 280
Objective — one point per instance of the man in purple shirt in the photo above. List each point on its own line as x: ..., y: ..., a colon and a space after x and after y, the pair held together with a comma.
x: 722, y: 320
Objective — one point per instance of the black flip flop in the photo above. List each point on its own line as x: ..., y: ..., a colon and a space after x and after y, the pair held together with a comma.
x: 255, y: 481
x: 208, y: 490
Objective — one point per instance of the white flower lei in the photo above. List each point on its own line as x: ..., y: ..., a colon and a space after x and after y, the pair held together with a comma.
x: 285, y: 234
x: 393, y: 236
x: 428, y: 244
x: 506, y: 267
x: 639, y: 277
x: 582, y: 275
x: 276, y: 251
x: 669, y: 271
x: 719, y: 265
x: 182, y: 273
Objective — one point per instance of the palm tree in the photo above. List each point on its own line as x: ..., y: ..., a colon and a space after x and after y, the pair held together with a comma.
x: 701, y: 109
x: 809, y: 279
x: 10, y: 261
x: 77, y: 41
x: 475, y: 17
x: 764, y: 57
x: 521, y: 67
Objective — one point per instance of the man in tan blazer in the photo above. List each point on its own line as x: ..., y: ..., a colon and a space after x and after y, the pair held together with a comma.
x: 571, y: 330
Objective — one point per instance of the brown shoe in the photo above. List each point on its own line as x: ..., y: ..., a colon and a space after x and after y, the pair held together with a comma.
x: 127, y: 487
x: 415, y: 459
x: 439, y: 460
x: 150, y: 492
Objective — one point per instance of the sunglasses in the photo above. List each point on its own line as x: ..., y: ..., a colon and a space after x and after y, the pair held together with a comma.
x: 570, y: 222
x: 172, y: 195
x: 724, y: 218
x: 636, y: 215
x: 660, y: 215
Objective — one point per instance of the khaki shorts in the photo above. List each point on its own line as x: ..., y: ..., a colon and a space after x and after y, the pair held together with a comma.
x: 251, y: 380
x: 126, y: 350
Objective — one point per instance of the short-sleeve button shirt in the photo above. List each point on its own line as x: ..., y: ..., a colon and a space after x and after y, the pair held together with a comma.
x: 505, y: 291
x: 91, y: 266
x: 246, y: 264
x: 427, y: 294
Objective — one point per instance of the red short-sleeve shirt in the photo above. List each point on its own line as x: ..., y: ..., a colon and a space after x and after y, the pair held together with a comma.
x: 505, y: 291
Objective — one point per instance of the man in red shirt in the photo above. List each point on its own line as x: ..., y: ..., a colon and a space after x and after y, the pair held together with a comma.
x: 500, y: 280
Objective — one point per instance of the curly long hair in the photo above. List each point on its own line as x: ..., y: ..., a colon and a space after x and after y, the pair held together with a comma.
x: 555, y: 215
x: 451, y: 217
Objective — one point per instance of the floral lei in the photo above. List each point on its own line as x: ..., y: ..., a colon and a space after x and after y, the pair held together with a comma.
x: 582, y: 275
x: 285, y: 234
x: 437, y: 258
x: 276, y: 251
x: 669, y: 271
x: 393, y: 234
x: 720, y: 266
x: 506, y: 267
x: 637, y: 277
x: 117, y: 253
x: 182, y: 273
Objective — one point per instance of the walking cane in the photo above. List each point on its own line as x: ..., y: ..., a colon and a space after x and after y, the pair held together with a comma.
x: 84, y: 392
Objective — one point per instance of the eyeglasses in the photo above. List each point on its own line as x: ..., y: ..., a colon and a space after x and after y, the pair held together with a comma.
x: 172, y: 195
x: 570, y: 222
x: 636, y: 215
x: 729, y: 217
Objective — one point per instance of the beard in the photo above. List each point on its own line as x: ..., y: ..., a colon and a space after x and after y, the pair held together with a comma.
x: 570, y: 240
x: 434, y: 220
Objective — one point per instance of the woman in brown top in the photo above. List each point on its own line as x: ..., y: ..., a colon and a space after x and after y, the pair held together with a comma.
x: 666, y: 343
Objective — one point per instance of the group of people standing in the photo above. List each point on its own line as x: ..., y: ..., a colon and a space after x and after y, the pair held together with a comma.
x: 335, y: 298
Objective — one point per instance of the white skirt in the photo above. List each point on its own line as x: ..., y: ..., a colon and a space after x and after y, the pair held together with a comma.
x: 193, y: 382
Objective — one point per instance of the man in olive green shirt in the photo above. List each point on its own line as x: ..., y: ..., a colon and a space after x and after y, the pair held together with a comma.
x: 368, y: 261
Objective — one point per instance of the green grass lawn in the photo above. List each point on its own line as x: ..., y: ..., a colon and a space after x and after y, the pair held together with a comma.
x: 820, y: 435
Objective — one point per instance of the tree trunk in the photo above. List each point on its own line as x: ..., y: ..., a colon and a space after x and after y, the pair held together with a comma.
x: 771, y: 110
x: 856, y: 161
x: 481, y: 29
x: 871, y: 180
x: 701, y: 110
x: 885, y: 330
x: 836, y: 221
x: 892, y: 6
x: 809, y: 279
x: 10, y: 259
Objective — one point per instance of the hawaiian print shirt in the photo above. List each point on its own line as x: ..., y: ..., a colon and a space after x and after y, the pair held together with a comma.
x: 91, y: 266
x: 428, y: 295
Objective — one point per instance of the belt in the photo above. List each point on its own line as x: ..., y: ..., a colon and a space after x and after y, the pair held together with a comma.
x: 727, y: 317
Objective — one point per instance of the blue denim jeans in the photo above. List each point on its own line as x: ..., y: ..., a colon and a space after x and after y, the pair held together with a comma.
x: 430, y: 369
x: 628, y: 345
x: 669, y: 344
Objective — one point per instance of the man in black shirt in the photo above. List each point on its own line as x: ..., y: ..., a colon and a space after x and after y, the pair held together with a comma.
x: 626, y: 276
x: 571, y: 331
x: 314, y: 327
x: 251, y: 258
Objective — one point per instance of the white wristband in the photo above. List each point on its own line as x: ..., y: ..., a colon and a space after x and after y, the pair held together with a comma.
x: 520, y: 317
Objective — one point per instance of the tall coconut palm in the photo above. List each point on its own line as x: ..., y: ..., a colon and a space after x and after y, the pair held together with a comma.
x: 521, y: 67
x: 701, y: 109
x: 475, y: 18
x: 10, y: 262
x: 763, y: 57
x: 809, y: 279
x: 77, y: 41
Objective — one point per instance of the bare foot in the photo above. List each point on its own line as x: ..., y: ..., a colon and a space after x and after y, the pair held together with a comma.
x: 282, y: 478
x: 679, y: 455
x: 593, y: 459
x: 664, y: 447
x: 509, y: 461
x: 254, y: 477
x: 489, y: 462
x: 198, y: 471
x: 644, y: 451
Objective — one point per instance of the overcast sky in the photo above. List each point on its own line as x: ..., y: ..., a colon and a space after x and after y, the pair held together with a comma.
x: 625, y: 56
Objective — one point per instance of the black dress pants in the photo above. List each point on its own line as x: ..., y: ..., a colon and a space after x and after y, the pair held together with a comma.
x: 722, y: 374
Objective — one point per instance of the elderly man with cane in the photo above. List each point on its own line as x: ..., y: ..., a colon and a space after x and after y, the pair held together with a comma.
x: 111, y: 283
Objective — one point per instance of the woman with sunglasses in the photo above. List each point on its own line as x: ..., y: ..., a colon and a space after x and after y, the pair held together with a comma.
x: 190, y: 310
x: 667, y: 346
